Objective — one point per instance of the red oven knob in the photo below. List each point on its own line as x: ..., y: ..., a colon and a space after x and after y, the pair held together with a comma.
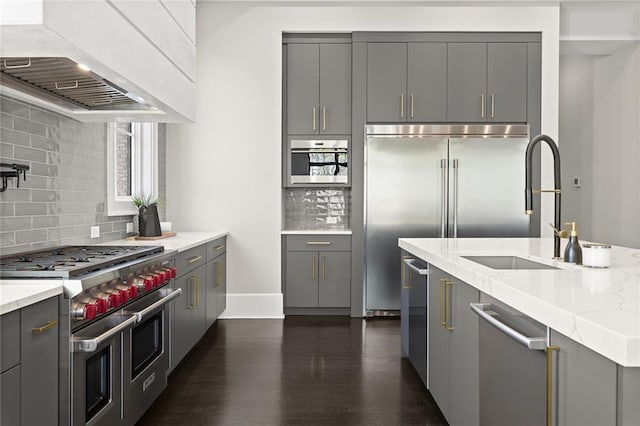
x: 159, y: 276
x: 102, y: 305
x: 174, y: 272
x: 114, y: 300
x: 89, y: 311
x: 133, y: 292
x: 148, y: 283
x: 124, y: 296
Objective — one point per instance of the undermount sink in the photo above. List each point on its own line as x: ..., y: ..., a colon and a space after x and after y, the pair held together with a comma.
x: 508, y: 262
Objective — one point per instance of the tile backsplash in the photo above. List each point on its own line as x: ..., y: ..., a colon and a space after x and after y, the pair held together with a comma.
x: 316, y: 209
x: 65, y: 192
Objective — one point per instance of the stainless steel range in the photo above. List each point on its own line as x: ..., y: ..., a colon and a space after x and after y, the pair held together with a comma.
x: 114, y: 326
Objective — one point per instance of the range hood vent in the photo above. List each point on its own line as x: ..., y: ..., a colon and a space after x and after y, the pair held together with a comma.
x: 66, y: 83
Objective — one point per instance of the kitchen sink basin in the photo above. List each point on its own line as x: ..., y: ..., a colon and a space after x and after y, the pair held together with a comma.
x: 508, y: 262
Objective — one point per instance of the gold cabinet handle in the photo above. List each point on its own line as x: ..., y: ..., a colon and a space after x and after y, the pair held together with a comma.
x: 550, y: 381
x: 197, y: 290
x: 493, y: 106
x: 45, y: 327
x: 219, y: 247
x: 442, y: 307
x: 219, y: 277
x: 482, y: 105
x: 447, y: 305
x: 324, y: 268
x: 324, y: 118
x: 318, y: 243
x: 411, y: 105
x: 313, y: 268
x: 194, y: 259
x: 402, y: 105
x: 313, y: 120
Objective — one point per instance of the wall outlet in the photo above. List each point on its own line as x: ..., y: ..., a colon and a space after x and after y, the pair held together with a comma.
x: 129, y: 227
x: 95, y: 232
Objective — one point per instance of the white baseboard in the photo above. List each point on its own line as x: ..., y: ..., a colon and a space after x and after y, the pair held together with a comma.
x: 255, y: 305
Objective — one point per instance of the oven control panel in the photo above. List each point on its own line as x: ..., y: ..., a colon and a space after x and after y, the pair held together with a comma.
x: 112, y: 295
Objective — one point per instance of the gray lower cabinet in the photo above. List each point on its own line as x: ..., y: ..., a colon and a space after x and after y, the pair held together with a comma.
x: 189, y: 312
x: 406, y: 82
x: 586, y: 385
x: 487, y: 82
x: 29, y: 377
x: 628, y: 396
x: 453, y: 348
x: 216, y: 280
x: 318, y: 88
x: 404, y: 306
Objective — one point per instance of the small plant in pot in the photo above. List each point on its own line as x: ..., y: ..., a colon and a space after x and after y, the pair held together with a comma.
x: 148, y: 220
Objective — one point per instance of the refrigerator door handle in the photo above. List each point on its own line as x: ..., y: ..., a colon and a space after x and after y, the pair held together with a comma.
x: 443, y: 197
x: 455, y: 198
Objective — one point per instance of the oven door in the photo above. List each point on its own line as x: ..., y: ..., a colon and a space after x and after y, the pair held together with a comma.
x: 319, y: 162
x: 96, y: 369
x: 146, y: 352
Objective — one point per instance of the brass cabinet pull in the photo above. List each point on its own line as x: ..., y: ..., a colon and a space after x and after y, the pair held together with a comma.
x: 45, y: 327
x: 411, y: 105
x: 314, y: 118
x: 442, y: 307
x: 482, y: 105
x: 197, y: 290
x: 318, y: 243
x: 219, y: 277
x: 194, y: 259
x: 219, y: 247
x: 402, y: 105
x: 313, y: 268
x: 324, y: 118
x: 447, y: 305
x: 550, y: 351
x: 493, y: 106
x: 324, y: 267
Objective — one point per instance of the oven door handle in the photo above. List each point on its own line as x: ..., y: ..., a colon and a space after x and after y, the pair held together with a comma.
x: 139, y: 315
x: 91, y: 344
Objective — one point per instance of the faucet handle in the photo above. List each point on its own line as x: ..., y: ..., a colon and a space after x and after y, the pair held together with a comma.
x: 558, y: 232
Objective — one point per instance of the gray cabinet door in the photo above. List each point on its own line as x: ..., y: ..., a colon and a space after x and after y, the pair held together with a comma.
x: 334, y: 279
x: 211, y: 308
x: 303, y: 88
x: 189, y: 313
x: 10, y: 397
x: 628, y: 395
x: 9, y: 336
x: 438, y: 341
x: 301, y: 279
x: 39, y: 362
x: 386, y: 82
x: 404, y: 306
x: 418, y: 323
x: 586, y: 385
x: 464, y: 379
x: 466, y: 82
x: 507, y: 82
x: 335, y: 89
x: 221, y: 283
x: 427, y: 82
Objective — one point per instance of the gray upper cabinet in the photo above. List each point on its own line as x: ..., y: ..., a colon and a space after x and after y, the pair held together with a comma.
x: 318, y: 88
x: 406, y: 82
x: 487, y: 82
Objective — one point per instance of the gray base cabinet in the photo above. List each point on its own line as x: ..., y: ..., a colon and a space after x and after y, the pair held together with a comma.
x: 216, y: 280
x: 317, y: 279
x: 29, y: 376
x: 189, y: 313
x: 453, y: 348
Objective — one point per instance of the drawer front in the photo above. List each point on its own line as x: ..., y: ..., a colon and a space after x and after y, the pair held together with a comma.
x: 318, y: 243
x: 9, y: 340
x: 191, y: 259
x: 216, y: 247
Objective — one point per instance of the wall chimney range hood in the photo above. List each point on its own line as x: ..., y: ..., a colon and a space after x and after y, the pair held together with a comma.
x: 67, y: 84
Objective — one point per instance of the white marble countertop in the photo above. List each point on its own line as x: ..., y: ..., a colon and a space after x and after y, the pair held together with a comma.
x: 16, y: 294
x: 317, y: 232
x: 181, y: 242
x: 599, y: 308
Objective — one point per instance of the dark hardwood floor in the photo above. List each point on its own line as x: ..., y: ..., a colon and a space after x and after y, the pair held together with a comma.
x: 297, y: 371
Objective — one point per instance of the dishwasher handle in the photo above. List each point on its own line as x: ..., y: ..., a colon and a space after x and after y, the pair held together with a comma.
x: 533, y: 343
x: 419, y: 271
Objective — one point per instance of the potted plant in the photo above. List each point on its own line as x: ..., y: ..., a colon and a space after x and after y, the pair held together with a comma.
x: 148, y: 220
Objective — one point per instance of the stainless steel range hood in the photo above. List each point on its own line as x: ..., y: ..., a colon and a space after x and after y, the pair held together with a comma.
x: 67, y: 84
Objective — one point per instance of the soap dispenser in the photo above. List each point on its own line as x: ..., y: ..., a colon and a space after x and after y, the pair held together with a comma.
x: 573, y: 251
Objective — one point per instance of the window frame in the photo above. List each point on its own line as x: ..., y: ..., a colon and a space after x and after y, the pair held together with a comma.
x: 144, y: 167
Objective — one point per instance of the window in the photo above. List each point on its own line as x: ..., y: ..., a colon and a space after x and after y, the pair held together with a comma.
x: 132, y: 165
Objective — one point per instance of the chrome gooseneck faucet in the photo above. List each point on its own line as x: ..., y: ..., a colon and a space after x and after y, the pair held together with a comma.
x: 528, y: 192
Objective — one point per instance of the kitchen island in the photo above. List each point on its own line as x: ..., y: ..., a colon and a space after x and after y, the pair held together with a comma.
x: 588, y: 323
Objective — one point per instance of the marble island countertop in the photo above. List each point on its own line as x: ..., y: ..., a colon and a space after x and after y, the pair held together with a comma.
x: 599, y: 308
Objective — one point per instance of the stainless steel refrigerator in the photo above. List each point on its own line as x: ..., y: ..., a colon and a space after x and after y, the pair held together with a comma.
x: 437, y: 181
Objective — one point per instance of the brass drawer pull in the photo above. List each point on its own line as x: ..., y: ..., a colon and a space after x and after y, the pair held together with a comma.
x: 219, y: 247
x: 318, y: 243
x: 45, y: 327
x: 194, y: 259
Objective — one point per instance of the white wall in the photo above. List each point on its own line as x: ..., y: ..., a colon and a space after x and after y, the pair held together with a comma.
x: 227, y: 164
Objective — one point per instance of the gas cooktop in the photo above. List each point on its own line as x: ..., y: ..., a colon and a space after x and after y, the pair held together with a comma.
x: 70, y: 261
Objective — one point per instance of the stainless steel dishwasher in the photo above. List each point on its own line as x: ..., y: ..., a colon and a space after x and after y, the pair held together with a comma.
x: 516, y: 374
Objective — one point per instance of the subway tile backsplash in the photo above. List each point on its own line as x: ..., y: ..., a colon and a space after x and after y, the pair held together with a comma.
x: 66, y: 191
x: 317, y: 209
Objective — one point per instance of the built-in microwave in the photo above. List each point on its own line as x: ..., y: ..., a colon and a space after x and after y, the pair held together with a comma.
x: 318, y: 161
